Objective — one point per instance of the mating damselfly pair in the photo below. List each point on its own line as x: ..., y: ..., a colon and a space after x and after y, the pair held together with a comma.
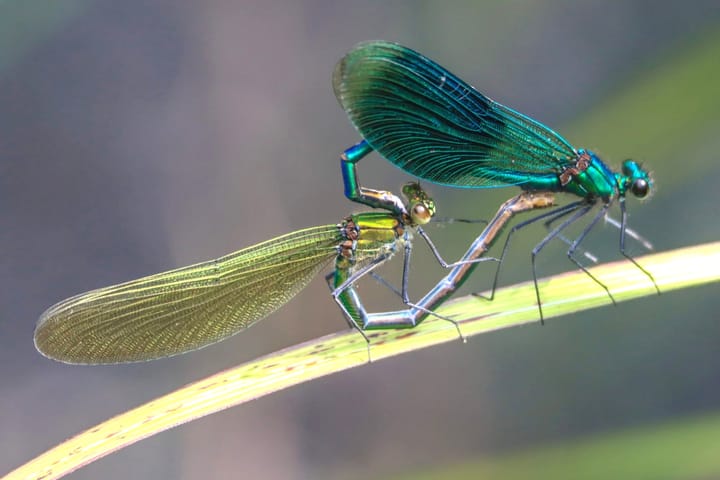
x: 424, y: 120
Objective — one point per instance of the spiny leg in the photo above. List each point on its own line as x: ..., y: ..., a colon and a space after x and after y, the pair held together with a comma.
x: 579, y: 239
x: 630, y: 232
x: 427, y: 311
x: 442, y: 262
x: 581, y: 209
x: 557, y: 212
x: 406, y: 275
x: 569, y: 243
x: 622, y: 226
x: 646, y: 244
x: 405, y: 289
x: 623, y: 230
x: 378, y: 278
x: 436, y: 253
x: 574, y: 244
x: 548, y: 225
x: 438, y: 257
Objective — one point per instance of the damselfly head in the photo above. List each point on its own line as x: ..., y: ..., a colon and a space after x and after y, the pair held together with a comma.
x: 420, y: 206
x: 635, y: 179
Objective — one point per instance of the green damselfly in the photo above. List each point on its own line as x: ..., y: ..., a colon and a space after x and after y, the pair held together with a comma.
x: 433, y: 125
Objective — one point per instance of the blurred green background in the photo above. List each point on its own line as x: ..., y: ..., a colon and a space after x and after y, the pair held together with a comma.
x: 136, y: 137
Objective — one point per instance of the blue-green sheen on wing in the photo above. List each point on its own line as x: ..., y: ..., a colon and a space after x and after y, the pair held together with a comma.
x: 187, y: 308
x: 431, y: 124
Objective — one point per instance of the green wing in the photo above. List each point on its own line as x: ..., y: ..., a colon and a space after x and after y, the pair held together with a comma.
x: 184, y: 309
x: 431, y: 124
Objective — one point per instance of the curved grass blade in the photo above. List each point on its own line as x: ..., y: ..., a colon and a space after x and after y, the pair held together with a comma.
x: 514, y: 306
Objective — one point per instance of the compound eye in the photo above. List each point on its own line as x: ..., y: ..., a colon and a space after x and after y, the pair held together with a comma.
x: 640, y: 187
x: 420, y: 214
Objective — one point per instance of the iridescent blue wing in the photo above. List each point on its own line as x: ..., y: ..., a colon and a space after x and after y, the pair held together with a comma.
x: 431, y: 124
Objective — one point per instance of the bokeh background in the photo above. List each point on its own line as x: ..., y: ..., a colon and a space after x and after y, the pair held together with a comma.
x: 139, y: 136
